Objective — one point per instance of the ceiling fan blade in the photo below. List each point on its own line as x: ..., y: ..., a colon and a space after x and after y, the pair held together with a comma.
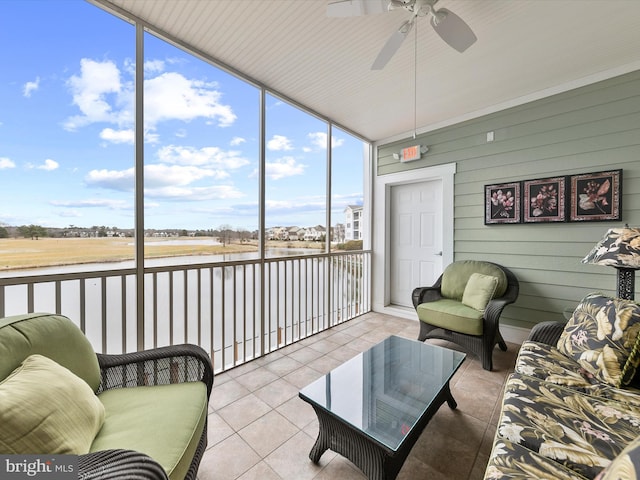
x: 355, y: 8
x: 392, y: 45
x: 453, y: 30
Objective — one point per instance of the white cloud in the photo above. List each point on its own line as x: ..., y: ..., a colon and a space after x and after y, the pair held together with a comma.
x: 203, y: 157
x: 91, y: 203
x: 319, y: 140
x: 121, y: 180
x: 118, y: 136
x: 70, y: 214
x: 284, y: 167
x: 298, y: 205
x: 48, y: 165
x: 153, y: 66
x: 279, y: 142
x: 157, y: 178
x: 172, y: 175
x: 171, y: 96
x: 90, y: 90
x: 237, y: 141
x: 6, y: 163
x: 105, y: 94
x: 31, y: 87
x: 185, y: 193
x: 151, y: 137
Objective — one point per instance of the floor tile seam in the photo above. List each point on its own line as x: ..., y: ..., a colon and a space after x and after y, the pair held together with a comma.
x: 265, y: 459
x: 222, y: 440
x: 219, y: 411
x: 475, y: 460
x: 262, y: 457
x: 286, y: 399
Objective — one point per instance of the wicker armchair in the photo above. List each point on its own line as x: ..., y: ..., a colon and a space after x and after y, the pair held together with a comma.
x: 442, y: 314
x: 164, y: 369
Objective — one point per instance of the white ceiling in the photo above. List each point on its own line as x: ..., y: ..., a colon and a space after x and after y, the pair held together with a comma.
x: 525, y: 49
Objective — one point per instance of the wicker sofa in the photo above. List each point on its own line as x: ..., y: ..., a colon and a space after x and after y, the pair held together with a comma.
x: 141, y: 415
x: 570, y: 409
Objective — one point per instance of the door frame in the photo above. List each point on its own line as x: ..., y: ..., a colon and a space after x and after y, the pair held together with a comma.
x: 381, y: 265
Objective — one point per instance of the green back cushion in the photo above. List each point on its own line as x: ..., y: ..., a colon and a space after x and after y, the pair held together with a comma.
x: 457, y: 274
x: 602, y: 336
x: 53, y: 336
x: 479, y: 290
x: 46, y: 409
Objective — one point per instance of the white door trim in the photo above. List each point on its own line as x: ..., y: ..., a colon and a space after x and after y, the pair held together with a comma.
x: 381, y: 232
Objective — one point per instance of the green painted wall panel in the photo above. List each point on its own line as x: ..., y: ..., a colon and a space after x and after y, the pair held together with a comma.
x: 590, y: 129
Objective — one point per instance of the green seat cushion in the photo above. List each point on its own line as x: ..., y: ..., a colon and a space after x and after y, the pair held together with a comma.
x: 479, y: 290
x: 452, y: 315
x: 46, y: 409
x: 457, y: 274
x: 162, y: 421
x: 603, y: 336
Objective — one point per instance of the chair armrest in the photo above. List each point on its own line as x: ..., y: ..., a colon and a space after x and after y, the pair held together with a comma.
x: 158, y: 366
x: 119, y: 464
x: 546, y: 332
x: 425, y: 294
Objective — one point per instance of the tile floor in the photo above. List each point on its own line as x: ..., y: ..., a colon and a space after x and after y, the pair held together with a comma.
x: 259, y: 428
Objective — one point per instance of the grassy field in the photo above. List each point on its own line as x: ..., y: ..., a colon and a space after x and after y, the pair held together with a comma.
x: 19, y: 253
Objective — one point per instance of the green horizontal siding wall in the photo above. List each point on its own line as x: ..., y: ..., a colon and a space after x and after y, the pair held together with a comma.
x: 589, y: 129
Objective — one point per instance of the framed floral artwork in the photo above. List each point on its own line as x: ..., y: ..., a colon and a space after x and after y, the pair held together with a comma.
x: 502, y: 203
x: 596, y: 196
x: 544, y: 200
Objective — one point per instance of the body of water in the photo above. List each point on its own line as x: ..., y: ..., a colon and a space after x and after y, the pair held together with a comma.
x: 216, y: 306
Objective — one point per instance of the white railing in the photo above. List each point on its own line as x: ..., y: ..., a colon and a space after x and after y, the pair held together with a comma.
x: 237, y: 310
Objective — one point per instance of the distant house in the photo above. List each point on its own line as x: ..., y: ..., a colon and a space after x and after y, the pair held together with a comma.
x: 353, y: 222
x: 313, y: 234
x: 296, y: 233
x: 275, y: 233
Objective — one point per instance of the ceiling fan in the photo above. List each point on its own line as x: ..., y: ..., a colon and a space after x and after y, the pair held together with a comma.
x: 451, y: 28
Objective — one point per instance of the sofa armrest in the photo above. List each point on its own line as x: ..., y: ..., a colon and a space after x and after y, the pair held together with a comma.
x: 159, y: 366
x: 119, y: 464
x: 546, y: 332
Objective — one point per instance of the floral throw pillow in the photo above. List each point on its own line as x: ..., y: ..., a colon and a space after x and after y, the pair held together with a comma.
x: 602, y: 336
x: 626, y: 465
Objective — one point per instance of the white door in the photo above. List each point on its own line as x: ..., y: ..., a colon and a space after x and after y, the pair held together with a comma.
x: 415, y: 238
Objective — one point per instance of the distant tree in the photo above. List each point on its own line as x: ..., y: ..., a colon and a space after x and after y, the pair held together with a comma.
x: 4, y: 233
x: 225, y: 234
x: 32, y: 231
x: 244, y: 235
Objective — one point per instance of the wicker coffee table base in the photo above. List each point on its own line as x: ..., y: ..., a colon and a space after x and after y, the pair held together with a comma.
x: 374, y: 459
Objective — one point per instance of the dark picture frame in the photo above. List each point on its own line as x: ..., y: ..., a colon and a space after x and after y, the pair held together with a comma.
x: 502, y: 203
x: 544, y: 200
x: 596, y: 196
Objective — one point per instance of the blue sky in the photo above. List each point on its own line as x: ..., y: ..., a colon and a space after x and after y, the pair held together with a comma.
x: 67, y: 131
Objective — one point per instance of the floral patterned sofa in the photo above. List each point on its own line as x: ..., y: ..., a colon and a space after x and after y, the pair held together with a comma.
x: 570, y: 409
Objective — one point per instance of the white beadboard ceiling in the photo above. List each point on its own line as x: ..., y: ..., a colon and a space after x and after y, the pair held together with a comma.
x: 525, y: 49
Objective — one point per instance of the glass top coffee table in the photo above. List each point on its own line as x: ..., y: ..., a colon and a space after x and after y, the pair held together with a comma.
x: 373, y: 408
